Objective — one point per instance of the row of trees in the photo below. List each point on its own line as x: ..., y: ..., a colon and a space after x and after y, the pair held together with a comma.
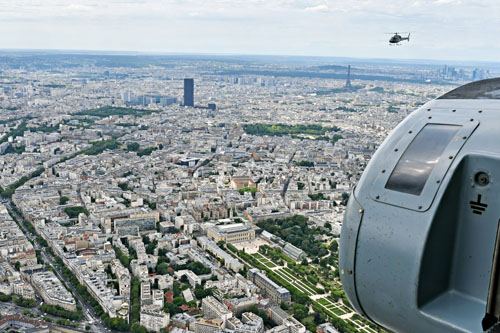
x: 304, y: 163
x: 7, y: 192
x: 282, y: 129
x: 24, y: 302
x: 146, y: 151
x: 27, y: 224
x: 134, y: 146
x: 18, y: 131
x: 117, y: 324
x: 56, y: 310
x: 107, y: 111
x: 17, y: 150
x: 135, y: 300
x: 124, y: 259
x: 317, y: 196
x: 100, y: 146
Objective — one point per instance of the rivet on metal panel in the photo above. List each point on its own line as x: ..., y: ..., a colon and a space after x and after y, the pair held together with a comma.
x: 464, y: 137
x: 377, y: 197
x: 428, y: 109
x: 430, y: 117
x: 480, y: 111
x: 419, y: 207
x: 482, y: 178
x: 471, y: 119
x: 410, y: 132
x: 383, y: 171
x: 438, y: 181
x: 396, y: 149
x: 451, y: 157
x: 349, y: 272
x: 361, y: 211
x: 453, y: 110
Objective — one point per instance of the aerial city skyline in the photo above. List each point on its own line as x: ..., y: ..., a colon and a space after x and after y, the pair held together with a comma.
x: 189, y: 193
x: 185, y: 166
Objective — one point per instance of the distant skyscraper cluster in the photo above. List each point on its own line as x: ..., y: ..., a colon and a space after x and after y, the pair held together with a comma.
x: 248, y: 80
x: 479, y: 74
x: 452, y: 73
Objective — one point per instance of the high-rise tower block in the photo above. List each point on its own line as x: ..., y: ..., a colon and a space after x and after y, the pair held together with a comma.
x: 188, y: 92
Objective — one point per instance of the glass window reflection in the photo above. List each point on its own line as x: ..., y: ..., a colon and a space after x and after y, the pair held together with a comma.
x: 418, y: 161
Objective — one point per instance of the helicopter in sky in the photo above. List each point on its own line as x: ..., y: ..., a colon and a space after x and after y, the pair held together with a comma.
x: 396, y: 39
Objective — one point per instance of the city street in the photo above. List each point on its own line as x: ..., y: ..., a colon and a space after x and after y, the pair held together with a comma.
x: 91, y: 318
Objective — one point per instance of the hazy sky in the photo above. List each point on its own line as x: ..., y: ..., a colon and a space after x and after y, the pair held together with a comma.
x: 442, y: 29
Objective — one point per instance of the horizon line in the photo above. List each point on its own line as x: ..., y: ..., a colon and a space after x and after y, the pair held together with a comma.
x: 169, y: 53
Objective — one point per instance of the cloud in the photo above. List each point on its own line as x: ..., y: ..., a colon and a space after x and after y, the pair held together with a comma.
x: 79, y: 7
x: 446, y: 2
x: 318, y: 8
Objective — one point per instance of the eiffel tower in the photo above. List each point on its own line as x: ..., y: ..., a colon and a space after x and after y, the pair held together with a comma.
x: 348, y: 85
